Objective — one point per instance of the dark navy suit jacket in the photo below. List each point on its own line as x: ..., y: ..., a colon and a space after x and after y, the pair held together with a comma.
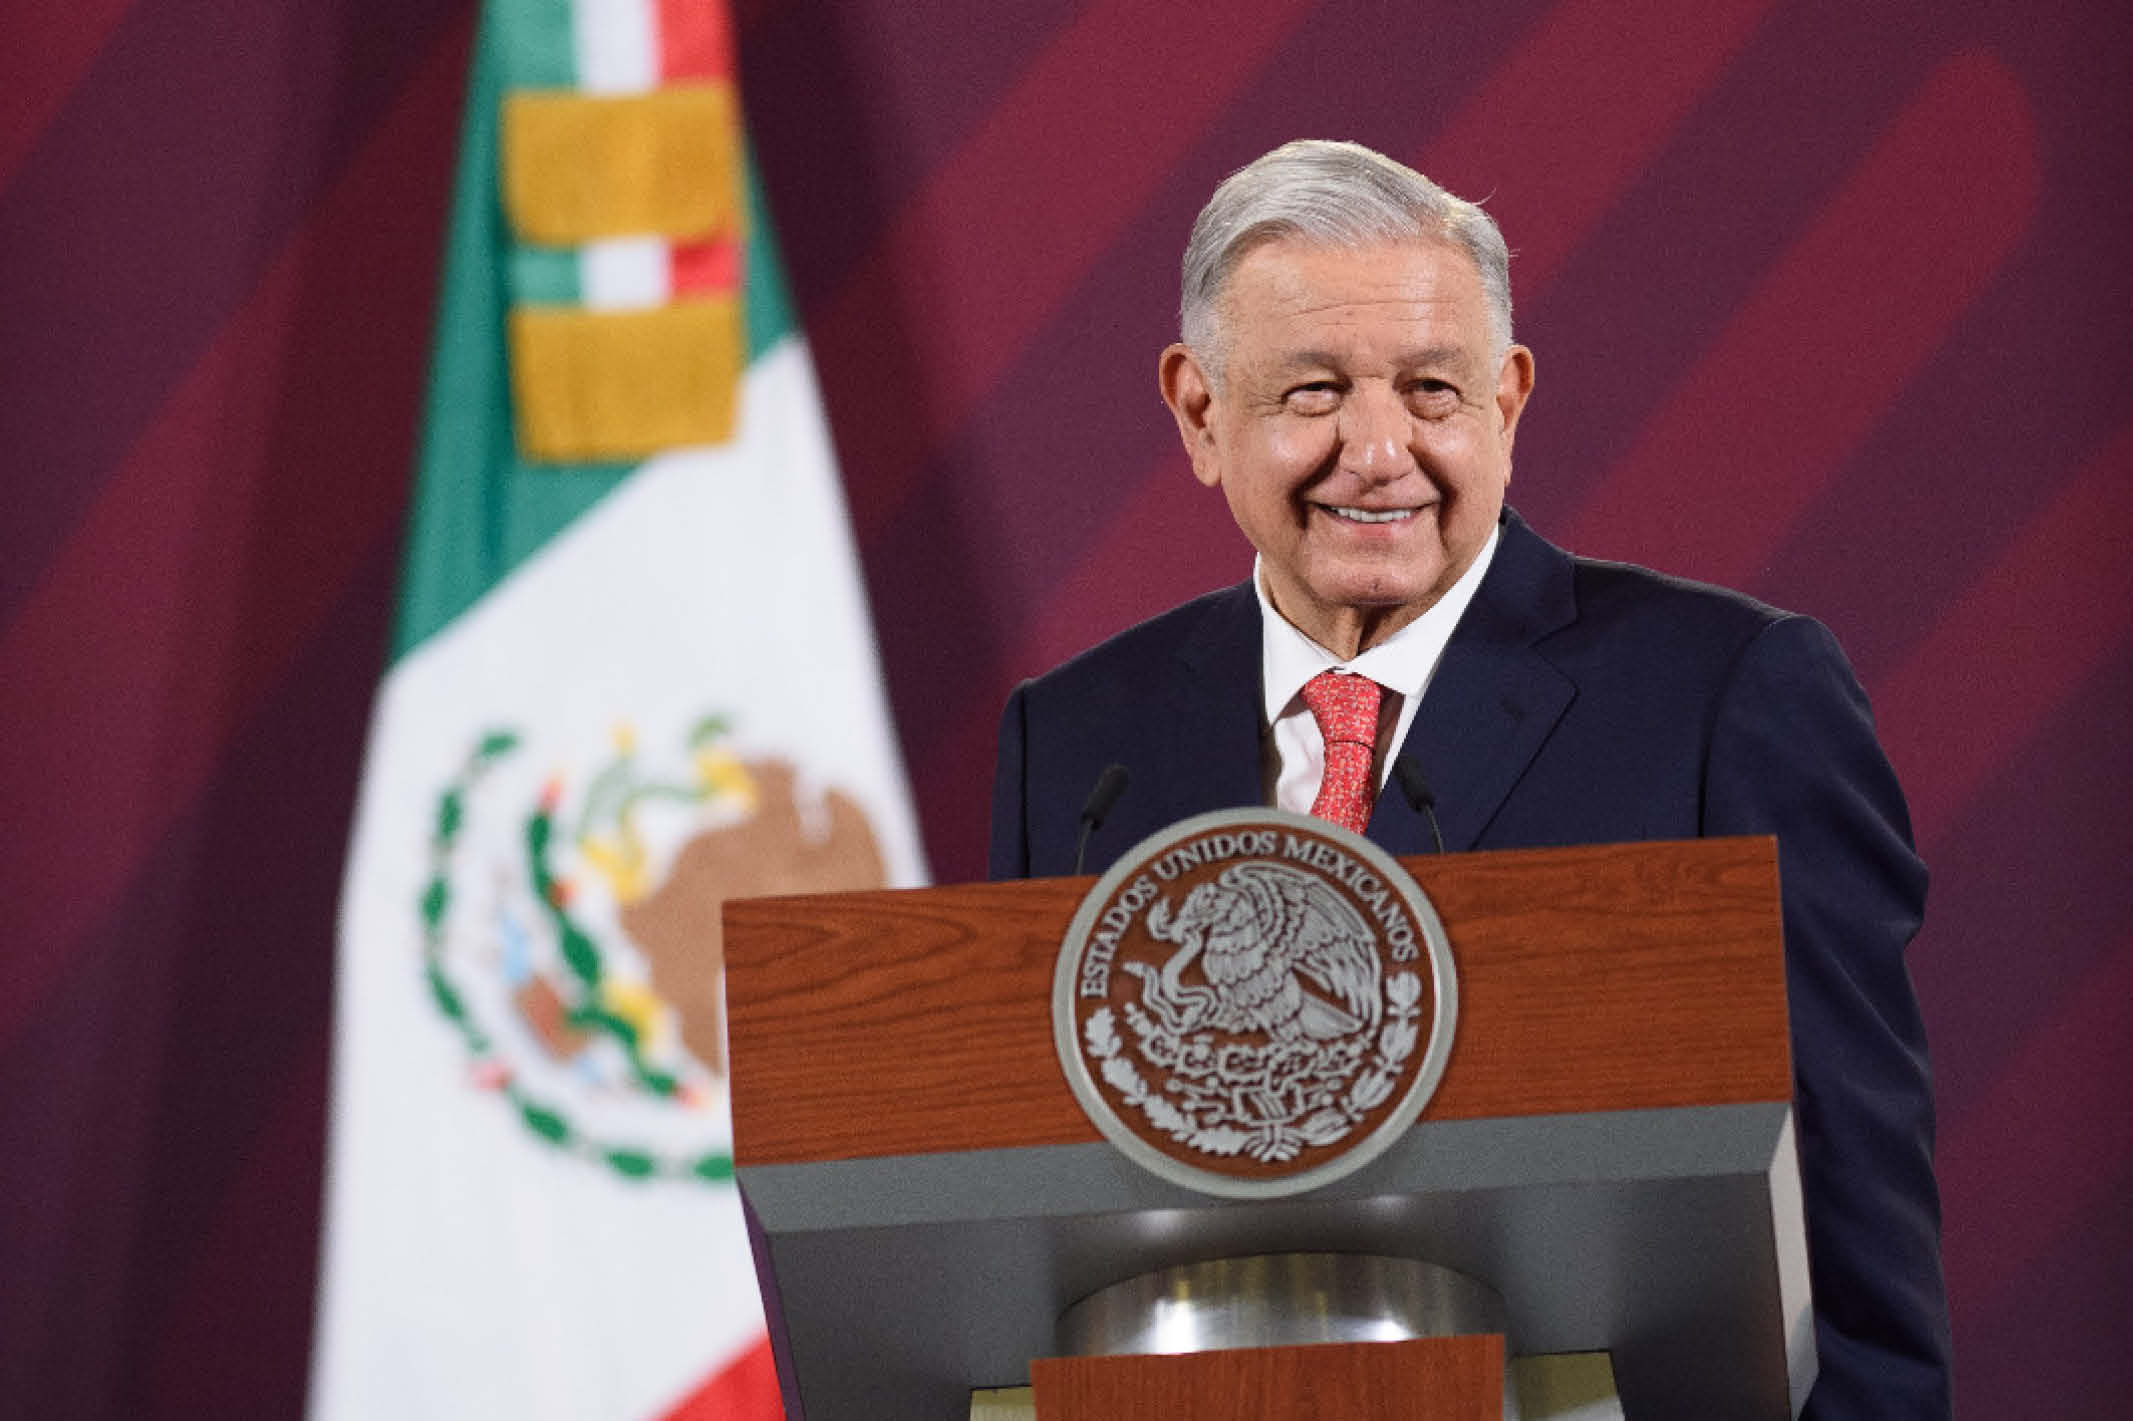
x: 1592, y: 702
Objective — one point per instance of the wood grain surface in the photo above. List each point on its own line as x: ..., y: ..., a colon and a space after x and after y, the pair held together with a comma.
x: 1423, y: 1379
x: 1594, y: 978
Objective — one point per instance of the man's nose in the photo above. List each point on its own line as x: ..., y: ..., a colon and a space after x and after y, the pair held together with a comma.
x: 1373, y: 428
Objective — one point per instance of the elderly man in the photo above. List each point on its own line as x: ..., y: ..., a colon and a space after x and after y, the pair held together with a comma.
x: 1347, y: 379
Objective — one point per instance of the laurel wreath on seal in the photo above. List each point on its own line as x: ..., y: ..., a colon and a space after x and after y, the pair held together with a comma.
x: 1271, y: 1135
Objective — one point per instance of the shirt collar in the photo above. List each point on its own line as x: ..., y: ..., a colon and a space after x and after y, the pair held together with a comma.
x: 1403, y: 662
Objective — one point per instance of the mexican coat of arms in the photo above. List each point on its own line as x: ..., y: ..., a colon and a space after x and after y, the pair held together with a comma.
x: 1254, y: 1003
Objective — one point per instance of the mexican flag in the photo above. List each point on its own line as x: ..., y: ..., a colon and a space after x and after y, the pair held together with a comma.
x: 633, y: 676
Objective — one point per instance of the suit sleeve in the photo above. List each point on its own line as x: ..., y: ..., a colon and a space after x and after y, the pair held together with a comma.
x: 1009, y: 857
x: 1793, y: 753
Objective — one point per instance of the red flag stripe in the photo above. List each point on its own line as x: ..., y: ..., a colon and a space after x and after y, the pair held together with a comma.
x: 744, y: 1389
x: 148, y: 639
x: 1013, y: 219
x: 1830, y: 337
x: 702, y: 268
x: 695, y: 40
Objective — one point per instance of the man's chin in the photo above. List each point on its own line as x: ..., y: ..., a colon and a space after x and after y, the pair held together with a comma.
x: 1375, y: 591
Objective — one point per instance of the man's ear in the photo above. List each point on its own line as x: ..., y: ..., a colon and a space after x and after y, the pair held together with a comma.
x: 1190, y: 395
x: 1514, y: 382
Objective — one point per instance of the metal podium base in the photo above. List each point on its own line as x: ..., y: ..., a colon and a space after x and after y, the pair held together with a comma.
x: 1282, y: 1300
x: 1279, y: 1300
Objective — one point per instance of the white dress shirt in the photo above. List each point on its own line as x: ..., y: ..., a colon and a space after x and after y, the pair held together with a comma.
x: 1295, y: 752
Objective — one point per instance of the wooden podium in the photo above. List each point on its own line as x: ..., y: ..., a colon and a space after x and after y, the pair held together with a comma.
x: 1610, y: 1148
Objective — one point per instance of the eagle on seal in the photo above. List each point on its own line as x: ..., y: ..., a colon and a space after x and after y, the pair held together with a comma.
x: 1261, y: 932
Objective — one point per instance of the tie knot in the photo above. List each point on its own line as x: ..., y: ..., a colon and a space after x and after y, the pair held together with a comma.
x: 1345, y: 707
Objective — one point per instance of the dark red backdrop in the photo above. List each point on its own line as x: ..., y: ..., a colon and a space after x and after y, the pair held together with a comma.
x: 1829, y: 302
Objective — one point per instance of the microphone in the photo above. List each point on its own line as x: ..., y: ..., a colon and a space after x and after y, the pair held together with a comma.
x: 1414, y: 785
x: 1109, y: 786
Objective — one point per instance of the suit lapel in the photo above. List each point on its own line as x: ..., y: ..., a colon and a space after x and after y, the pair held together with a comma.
x: 1205, y: 752
x: 1493, y: 700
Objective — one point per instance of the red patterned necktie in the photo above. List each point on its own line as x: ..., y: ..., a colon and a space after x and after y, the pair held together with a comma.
x: 1346, y: 709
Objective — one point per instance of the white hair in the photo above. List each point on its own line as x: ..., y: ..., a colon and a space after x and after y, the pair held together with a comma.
x: 1332, y: 194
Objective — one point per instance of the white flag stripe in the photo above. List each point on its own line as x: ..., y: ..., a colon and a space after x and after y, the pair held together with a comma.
x: 625, y: 273
x: 617, y: 44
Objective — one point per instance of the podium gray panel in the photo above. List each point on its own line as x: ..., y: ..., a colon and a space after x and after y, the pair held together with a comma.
x: 1655, y: 1235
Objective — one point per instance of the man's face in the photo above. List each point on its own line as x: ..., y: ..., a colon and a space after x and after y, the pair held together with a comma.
x: 1360, y: 429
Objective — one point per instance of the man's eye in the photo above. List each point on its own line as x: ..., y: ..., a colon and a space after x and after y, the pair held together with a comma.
x: 1317, y: 397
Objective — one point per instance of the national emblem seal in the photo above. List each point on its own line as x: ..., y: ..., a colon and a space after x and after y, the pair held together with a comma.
x: 1254, y: 1003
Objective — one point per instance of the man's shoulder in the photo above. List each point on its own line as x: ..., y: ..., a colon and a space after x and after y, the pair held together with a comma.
x: 1611, y: 592
x: 1617, y: 628
x: 1622, y: 607
x: 1215, y: 624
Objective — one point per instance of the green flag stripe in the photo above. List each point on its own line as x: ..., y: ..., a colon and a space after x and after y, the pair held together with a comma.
x: 770, y: 313
x: 545, y: 276
x: 537, y: 47
x: 478, y: 510
x: 453, y: 547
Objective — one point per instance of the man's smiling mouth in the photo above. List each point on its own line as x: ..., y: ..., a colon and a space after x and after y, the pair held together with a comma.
x: 1369, y: 515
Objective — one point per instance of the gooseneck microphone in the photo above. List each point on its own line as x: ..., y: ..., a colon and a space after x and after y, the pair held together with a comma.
x: 1109, y: 786
x: 1414, y: 785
